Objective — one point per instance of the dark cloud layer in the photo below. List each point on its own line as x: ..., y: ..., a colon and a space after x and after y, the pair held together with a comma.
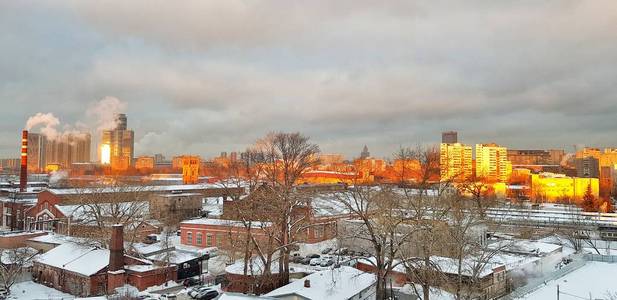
x: 209, y: 76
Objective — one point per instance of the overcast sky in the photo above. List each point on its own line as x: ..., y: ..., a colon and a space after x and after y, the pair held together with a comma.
x: 209, y: 76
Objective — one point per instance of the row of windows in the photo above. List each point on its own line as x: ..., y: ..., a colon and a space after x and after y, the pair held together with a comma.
x: 218, y: 238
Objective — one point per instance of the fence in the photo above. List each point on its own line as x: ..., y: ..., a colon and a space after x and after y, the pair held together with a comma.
x: 601, y: 258
x: 536, y: 283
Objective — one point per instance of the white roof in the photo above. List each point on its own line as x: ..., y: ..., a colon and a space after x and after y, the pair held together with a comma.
x: 526, y: 247
x: 445, y: 264
x: 337, y: 283
x: 82, y: 211
x: 145, y: 188
x: 76, y: 258
x: 221, y: 222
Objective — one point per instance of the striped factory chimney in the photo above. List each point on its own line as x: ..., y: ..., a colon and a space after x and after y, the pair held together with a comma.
x: 23, y: 174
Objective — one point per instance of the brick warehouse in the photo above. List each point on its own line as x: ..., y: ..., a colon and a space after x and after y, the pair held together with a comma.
x: 85, y: 271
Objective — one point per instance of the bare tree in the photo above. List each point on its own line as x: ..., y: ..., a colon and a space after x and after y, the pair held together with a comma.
x: 12, y: 264
x: 99, y: 207
x: 285, y: 157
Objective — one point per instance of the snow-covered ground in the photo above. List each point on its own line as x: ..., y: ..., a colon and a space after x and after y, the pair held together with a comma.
x: 592, y: 281
x: 29, y: 290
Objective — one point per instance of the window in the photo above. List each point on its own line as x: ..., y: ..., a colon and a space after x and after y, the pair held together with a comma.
x: 219, y: 240
x: 199, y: 238
x: 208, y: 240
x: 45, y: 205
x: 189, y: 238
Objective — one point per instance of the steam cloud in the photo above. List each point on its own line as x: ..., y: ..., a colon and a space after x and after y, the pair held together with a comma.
x: 102, y: 113
x: 49, y: 123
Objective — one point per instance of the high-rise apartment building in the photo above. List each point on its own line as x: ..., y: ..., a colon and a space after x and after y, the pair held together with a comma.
x: 117, y: 145
x: 68, y: 149
x: 492, y: 164
x: 37, y: 144
x: 455, y: 161
x: 449, y: 137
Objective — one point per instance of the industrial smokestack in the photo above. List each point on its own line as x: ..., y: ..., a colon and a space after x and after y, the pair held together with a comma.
x: 23, y: 174
x: 116, y: 277
x: 116, y: 248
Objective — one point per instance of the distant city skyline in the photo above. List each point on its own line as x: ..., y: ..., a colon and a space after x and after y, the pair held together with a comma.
x: 538, y: 75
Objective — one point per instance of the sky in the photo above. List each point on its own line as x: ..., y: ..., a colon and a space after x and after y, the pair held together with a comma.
x: 203, y: 77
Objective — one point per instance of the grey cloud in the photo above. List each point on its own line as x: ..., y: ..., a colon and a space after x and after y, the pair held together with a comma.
x: 205, y: 76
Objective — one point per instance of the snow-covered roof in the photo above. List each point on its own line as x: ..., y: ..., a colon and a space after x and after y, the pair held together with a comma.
x: 57, y: 239
x: 76, y: 258
x: 175, y: 256
x: 526, y: 247
x: 149, y: 188
x: 221, y: 222
x: 238, y: 296
x: 337, y: 283
x: 328, y: 204
x: 213, y: 205
x: 142, y: 268
x: 445, y: 264
x: 82, y: 211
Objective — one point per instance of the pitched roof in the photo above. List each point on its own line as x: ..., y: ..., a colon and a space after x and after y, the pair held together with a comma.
x: 76, y: 258
x: 338, y: 283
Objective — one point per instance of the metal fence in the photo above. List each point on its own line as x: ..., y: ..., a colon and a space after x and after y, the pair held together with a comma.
x: 601, y: 258
x: 538, y: 282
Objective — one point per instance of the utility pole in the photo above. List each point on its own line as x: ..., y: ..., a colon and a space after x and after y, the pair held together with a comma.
x: 557, y: 292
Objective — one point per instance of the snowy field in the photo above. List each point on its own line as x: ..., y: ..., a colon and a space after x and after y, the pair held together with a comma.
x: 595, y: 280
x: 29, y: 290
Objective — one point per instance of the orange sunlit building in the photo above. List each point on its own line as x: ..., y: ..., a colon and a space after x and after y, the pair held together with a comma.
x: 144, y: 163
x: 455, y: 161
x: 492, y: 164
x: 190, y: 169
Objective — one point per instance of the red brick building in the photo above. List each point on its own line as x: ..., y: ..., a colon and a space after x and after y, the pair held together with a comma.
x: 84, y: 270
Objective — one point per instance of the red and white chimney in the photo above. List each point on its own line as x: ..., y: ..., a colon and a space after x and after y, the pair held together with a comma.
x: 23, y: 174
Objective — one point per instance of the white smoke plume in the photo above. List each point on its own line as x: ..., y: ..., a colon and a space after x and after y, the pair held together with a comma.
x: 48, y: 122
x: 102, y: 116
x: 57, y: 176
x: 104, y: 112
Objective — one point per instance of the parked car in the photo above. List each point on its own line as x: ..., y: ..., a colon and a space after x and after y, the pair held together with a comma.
x: 207, y: 295
x: 341, y: 251
x: 297, y: 259
x: 191, y: 281
x: 326, y: 262
x: 326, y: 251
x: 306, y: 260
x: 313, y: 256
x: 315, y: 261
x: 199, y: 290
x: 168, y: 296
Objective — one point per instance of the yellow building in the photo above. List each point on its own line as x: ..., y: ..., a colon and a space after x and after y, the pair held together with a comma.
x: 553, y: 187
x: 492, y: 164
x: 190, y: 169
x: 455, y: 161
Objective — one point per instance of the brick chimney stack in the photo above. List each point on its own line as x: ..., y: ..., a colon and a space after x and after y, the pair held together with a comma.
x: 23, y: 174
x: 116, y: 276
x: 116, y: 248
x: 307, y: 283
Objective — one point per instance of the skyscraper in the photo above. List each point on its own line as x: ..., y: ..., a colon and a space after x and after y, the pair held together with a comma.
x: 492, y: 163
x: 455, y: 161
x: 449, y: 137
x: 365, y: 154
x: 118, y: 144
x: 36, y: 152
x: 68, y: 149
